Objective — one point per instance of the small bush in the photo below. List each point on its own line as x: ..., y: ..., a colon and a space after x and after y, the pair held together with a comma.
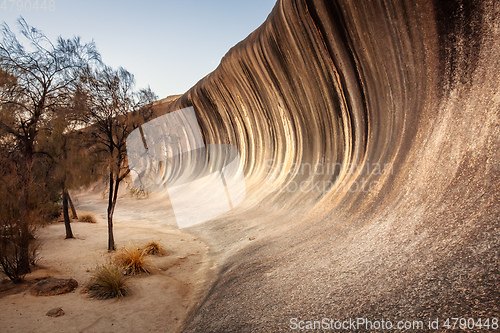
x: 138, y: 193
x: 10, y: 260
x: 11, y: 254
x: 87, y: 218
x: 153, y: 248
x: 108, y: 282
x: 34, y: 249
x: 133, y: 261
x: 49, y: 212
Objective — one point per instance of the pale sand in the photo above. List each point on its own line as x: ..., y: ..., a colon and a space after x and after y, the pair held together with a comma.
x: 158, y: 302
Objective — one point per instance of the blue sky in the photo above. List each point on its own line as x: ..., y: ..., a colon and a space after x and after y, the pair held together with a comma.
x: 168, y: 44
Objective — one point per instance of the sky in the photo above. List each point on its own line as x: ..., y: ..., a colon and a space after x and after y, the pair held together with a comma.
x: 169, y: 45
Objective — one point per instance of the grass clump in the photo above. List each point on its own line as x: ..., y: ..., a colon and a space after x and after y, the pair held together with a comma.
x: 153, y: 249
x: 108, y: 282
x: 87, y: 218
x: 133, y: 261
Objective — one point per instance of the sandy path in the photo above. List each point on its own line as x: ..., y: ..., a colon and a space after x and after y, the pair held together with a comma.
x: 159, y: 302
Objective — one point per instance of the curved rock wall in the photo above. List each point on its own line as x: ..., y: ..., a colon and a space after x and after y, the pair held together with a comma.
x: 393, y: 108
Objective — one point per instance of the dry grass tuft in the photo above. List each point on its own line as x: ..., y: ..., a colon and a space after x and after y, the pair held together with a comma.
x: 153, y: 248
x: 133, y: 261
x: 108, y: 282
x: 88, y: 218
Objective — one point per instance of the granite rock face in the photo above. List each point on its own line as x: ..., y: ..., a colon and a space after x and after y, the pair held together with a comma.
x: 369, y: 133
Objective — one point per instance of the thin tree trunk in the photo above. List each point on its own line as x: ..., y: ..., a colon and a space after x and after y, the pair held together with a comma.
x: 113, y: 198
x: 111, y: 208
x: 111, y: 239
x: 73, y: 210
x: 67, y: 221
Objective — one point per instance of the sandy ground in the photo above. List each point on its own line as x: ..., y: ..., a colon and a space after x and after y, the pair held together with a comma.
x: 158, y: 302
